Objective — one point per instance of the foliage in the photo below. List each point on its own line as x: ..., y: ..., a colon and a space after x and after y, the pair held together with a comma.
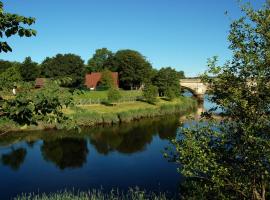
x: 150, y: 93
x: 133, y: 68
x: 170, y: 93
x: 230, y: 158
x: 131, y: 194
x: 114, y: 95
x: 13, y: 24
x: 29, y: 70
x: 106, y: 80
x: 4, y: 65
x: 99, y: 60
x: 64, y: 66
x: 9, y: 78
x: 31, y: 108
x: 167, y: 81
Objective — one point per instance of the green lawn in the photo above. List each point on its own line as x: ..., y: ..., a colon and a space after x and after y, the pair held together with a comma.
x: 126, y: 106
x: 92, y: 97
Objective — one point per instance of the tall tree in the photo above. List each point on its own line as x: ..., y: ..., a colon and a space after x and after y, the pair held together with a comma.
x: 133, y: 68
x: 13, y: 24
x: 29, y: 70
x: 62, y: 66
x: 230, y: 158
x: 100, y: 60
x: 167, y: 81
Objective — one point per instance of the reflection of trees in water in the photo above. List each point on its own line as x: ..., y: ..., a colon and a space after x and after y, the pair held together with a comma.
x: 134, y: 137
x: 167, y: 128
x: 66, y: 152
x: 15, y: 158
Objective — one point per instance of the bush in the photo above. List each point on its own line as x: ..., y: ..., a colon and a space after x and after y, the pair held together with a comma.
x: 150, y: 93
x: 107, y: 81
x: 170, y: 93
x: 113, y: 95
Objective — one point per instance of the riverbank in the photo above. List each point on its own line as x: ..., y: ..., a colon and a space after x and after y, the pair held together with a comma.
x: 90, y: 115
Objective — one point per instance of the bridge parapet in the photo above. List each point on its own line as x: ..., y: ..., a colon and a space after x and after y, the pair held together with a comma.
x: 196, y: 86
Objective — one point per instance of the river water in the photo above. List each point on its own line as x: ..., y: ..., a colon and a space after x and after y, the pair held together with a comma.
x: 119, y: 157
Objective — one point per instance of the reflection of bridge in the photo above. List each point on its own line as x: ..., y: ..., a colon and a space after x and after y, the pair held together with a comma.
x: 194, y: 85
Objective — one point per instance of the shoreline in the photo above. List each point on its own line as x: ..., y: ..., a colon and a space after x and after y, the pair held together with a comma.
x: 91, y: 116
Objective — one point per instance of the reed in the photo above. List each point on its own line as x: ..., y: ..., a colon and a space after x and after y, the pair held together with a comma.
x: 132, y: 194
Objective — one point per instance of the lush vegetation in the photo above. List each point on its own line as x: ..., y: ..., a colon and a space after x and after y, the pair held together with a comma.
x: 132, y: 194
x: 230, y: 158
x: 63, y: 66
x: 13, y: 24
x: 90, y: 115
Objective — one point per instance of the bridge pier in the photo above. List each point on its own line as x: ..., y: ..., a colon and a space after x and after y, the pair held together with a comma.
x: 200, y: 98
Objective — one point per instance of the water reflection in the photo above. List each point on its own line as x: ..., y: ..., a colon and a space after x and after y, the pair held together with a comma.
x: 128, y: 139
x: 65, y: 152
x: 14, y: 159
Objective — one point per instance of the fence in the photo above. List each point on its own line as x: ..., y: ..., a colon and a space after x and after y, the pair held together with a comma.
x: 99, y: 100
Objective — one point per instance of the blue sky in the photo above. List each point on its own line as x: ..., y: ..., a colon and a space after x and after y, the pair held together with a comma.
x: 177, y: 33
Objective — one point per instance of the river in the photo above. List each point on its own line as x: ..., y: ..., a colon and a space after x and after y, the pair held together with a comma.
x: 116, y: 157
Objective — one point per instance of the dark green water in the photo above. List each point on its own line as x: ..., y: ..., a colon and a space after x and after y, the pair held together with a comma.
x: 106, y: 157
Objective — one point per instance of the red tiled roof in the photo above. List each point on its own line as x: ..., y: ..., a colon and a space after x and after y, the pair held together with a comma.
x: 92, y: 79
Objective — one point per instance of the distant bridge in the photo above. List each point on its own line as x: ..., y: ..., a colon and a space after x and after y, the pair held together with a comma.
x: 195, y: 86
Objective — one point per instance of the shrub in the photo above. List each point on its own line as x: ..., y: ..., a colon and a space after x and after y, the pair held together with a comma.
x: 113, y: 95
x: 170, y: 93
x: 150, y: 93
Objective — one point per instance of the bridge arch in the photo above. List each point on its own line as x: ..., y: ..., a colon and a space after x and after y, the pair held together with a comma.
x: 195, y: 86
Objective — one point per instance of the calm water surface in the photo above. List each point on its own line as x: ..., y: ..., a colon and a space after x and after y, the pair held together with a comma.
x: 106, y: 157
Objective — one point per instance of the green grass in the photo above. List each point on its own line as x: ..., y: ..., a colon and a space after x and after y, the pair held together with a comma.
x: 132, y: 194
x: 90, y: 115
x: 96, y: 97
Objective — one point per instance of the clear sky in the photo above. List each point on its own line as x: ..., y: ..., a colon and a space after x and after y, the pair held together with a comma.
x: 177, y: 33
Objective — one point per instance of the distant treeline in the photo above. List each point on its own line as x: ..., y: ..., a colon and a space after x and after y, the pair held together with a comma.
x: 133, y: 68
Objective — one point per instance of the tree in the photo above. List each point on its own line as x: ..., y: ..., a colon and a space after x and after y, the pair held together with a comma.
x: 167, y: 81
x: 113, y: 94
x: 29, y: 70
x: 107, y: 81
x: 13, y: 24
x: 230, y: 158
x: 62, y: 66
x: 4, y: 65
x: 99, y: 60
x: 150, y: 93
x: 133, y: 68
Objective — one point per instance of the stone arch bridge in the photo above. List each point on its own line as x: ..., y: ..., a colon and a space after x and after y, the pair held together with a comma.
x: 195, y: 86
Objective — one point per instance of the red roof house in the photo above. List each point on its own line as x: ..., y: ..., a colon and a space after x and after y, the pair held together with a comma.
x: 93, y: 79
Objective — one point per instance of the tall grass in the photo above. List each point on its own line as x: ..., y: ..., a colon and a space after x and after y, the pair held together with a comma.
x: 132, y: 194
x: 90, y: 118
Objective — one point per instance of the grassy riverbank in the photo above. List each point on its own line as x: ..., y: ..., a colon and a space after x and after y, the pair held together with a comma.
x: 104, y: 114
x: 90, y: 115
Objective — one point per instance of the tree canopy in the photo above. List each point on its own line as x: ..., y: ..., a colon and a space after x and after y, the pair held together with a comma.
x: 13, y: 24
x: 133, y: 68
x: 64, y: 66
x: 230, y: 158
x: 29, y: 70
x: 99, y: 61
x: 167, y: 81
